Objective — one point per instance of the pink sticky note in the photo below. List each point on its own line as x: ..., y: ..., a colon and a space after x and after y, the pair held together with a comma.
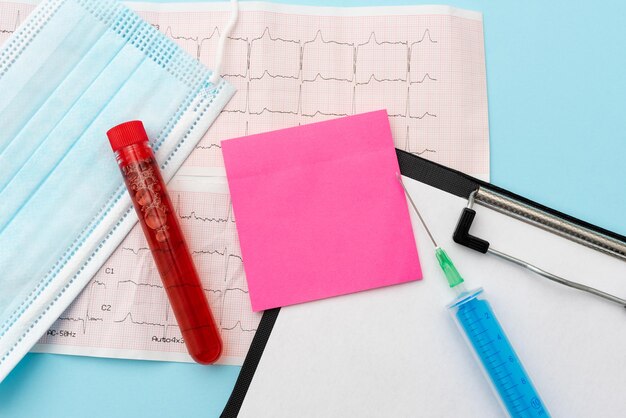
x: 320, y: 211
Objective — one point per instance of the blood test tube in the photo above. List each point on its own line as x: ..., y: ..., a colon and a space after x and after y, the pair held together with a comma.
x: 170, y: 252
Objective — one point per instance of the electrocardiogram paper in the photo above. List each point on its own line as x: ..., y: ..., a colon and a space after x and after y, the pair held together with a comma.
x: 124, y: 311
x: 291, y: 65
x: 298, y: 65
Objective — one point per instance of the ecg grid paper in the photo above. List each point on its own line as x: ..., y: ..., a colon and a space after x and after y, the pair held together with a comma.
x: 291, y: 65
x: 427, y: 70
x: 124, y: 311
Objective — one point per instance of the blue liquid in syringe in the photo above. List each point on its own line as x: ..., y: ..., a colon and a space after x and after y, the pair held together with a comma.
x: 503, y: 367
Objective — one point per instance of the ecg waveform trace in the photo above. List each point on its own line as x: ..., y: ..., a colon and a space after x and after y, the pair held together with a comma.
x: 125, y: 305
x: 426, y: 70
x: 9, y: 23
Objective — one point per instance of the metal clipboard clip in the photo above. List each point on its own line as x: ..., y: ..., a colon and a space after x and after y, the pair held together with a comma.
x: 544, y: 220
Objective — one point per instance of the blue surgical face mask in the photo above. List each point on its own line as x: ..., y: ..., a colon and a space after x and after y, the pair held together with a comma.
x: 72, y: 71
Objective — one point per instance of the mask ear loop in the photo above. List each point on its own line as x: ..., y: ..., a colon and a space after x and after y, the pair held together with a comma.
x: 219, y: 55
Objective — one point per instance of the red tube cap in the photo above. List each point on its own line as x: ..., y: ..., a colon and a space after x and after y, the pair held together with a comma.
x: 127, y: 133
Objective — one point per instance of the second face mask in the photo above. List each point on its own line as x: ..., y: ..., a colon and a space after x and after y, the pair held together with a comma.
x: 73, y: 70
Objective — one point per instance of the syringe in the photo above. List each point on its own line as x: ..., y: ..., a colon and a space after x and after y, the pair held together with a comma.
x: 487, y: 340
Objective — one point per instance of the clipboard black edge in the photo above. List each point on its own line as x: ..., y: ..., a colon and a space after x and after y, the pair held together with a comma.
x: 250, y: 364
x: 461, y: 184
x: 427, y: 172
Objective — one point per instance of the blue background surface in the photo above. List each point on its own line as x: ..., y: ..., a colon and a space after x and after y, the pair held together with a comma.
x: 557, y: 104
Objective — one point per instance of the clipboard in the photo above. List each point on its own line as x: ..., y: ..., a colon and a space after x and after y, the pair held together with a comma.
x: 569, y: 341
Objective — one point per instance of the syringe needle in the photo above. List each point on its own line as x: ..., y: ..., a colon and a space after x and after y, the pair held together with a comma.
x: 419, y: 215
x: 451, y: 273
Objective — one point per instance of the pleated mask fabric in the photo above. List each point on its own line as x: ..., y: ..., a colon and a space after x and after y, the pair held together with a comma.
x: 74, y: 69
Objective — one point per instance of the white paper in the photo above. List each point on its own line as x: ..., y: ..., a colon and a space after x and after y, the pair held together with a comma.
x: 396, y: 351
